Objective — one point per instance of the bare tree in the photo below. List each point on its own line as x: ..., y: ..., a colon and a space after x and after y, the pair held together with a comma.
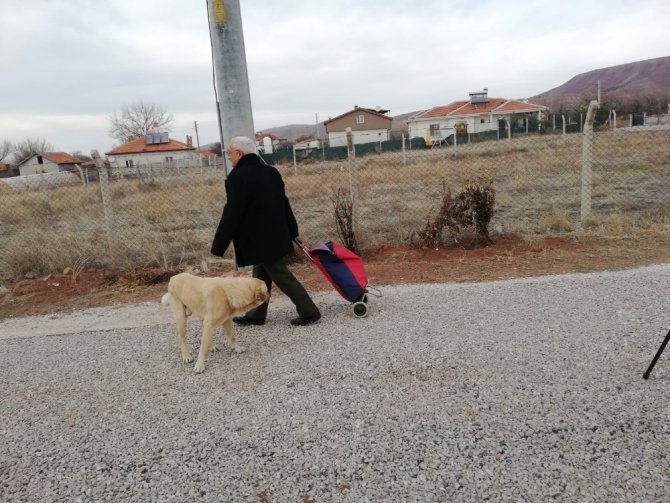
x: 80, y: 155
x: 6, y: 151
x: 136, y: 120
x: 26, y: 148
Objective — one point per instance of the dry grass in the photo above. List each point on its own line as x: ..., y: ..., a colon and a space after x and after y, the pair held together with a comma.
x: 170, y: 220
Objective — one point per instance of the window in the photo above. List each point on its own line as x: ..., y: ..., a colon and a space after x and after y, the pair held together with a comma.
x: 129, y: 163
x: 434, y: 129
x: 360, y: 119
x: 40, y: 160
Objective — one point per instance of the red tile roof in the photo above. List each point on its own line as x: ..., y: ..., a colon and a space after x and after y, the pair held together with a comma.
x: 139, y: 146
x: 493, y: 105
x: 61, y: 158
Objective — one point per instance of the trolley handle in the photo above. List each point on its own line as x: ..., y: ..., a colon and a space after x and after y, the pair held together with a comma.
x: 303, y: 247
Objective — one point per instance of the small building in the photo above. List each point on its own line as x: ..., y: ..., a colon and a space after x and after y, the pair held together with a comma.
x: 267, y: 143
x: 155, y: 148
x: 475, y: 115
x: 7, y: 170
x: 48, y: 162
x: 307, y: 143
x: 367, y: 125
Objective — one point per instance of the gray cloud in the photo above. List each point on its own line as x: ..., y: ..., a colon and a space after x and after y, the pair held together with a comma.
x: 69, y: 64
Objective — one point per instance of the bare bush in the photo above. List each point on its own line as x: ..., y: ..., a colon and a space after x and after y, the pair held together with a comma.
x: 344, y: 220
x: 471, y: 208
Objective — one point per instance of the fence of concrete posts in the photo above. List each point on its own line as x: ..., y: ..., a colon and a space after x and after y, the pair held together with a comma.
x: 587, y: 161
x: 107, y: 207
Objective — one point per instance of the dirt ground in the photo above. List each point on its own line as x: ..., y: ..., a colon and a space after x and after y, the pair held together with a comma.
x: 508, y: 257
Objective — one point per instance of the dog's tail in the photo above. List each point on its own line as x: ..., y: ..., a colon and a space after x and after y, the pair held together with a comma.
x: 166, y: 299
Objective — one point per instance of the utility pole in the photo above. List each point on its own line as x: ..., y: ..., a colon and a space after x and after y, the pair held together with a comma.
x: 197, y: 141
x: 230, y: 68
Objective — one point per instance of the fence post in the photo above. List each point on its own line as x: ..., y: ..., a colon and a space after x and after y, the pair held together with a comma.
x: 614, y: 119
x: 587, y: 161
x: 563, y: 118
x: 108, y: 209
x: 404, y: 157
x: 352, y: 175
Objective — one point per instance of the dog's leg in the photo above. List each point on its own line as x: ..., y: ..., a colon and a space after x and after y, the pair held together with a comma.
x: 180, y: 316
x: 228, y: 327
x: 212, y: 346
x: 205, y: 344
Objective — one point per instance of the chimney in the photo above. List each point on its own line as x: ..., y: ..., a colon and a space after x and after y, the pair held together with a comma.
x: 189, y: 141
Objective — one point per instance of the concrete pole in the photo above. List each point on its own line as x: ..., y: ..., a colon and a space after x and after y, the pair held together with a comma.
x: 587, y: 162
x: 197, y: 141
x: 230, y: 67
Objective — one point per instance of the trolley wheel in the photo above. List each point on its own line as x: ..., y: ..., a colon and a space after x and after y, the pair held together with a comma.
x: 360, y: 309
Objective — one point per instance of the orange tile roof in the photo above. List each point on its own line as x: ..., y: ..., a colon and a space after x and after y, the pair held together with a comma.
x: 440, y: 111
x: 139, y: 146
x: 61, y: 158
x: 5, y: 167
x: 493, y: 105
x: 480, y: 108
x: 514, y: 105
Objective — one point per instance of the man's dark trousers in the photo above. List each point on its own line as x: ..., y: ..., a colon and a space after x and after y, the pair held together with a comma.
x: 277, y: 273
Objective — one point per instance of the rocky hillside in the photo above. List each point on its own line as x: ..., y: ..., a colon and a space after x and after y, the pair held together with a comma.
x: 642, y: 77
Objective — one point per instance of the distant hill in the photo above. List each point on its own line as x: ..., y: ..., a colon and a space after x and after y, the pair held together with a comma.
x: 638, y: 78
x: 641, y: 77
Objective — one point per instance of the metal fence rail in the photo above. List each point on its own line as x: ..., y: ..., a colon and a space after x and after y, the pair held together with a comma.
x: 166, y: 216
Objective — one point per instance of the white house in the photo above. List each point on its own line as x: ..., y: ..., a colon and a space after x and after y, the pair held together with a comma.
x: 367, y: 125
x: 156, y: 148
x: 479, y: 113
x: 48, y: 162
x: 307, y: 143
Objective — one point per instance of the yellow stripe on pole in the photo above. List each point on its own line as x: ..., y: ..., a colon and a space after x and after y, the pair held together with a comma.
x: 219, y: 12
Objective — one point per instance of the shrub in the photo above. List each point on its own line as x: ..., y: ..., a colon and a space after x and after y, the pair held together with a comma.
x: 471, y: 208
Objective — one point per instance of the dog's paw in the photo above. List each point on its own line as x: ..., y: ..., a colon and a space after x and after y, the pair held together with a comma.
x: 213, y: 349
x: 199, y: 367
x: 239, y: 349
x: 186, y: 358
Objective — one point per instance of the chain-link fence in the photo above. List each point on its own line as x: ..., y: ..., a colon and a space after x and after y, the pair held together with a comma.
x: 166, y: 216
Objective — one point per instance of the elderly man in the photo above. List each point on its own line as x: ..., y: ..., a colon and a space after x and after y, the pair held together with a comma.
x: 258, y: 219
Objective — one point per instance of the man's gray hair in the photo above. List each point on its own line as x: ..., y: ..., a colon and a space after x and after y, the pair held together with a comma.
x: 246, y: 145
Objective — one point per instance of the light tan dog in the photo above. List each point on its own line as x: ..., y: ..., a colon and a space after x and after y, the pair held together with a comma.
x: 214, y: 301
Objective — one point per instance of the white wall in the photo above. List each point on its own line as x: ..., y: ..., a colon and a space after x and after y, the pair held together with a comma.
x: 339, y: 139
x: 32, y: 167
x: 146, y: 158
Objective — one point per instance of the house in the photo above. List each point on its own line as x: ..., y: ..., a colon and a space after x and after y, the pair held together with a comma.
x: 156, y: 147
x: 7, y: 170
x: 48, y: 162
x: 306, y: 143
x: 367, y: 125
x: 479, y: 113
x: 266, y: 143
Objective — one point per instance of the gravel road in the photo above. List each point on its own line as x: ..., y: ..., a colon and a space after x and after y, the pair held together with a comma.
x: 516, y: 390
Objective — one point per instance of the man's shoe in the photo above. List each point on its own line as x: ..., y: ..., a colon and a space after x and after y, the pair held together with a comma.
x: 300, y: 321
x: 243, y: 320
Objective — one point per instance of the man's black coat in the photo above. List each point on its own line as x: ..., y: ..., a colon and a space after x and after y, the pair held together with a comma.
x: 257, y: 216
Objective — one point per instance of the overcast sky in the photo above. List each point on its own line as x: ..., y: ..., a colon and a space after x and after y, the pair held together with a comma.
x: 67, y: 65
